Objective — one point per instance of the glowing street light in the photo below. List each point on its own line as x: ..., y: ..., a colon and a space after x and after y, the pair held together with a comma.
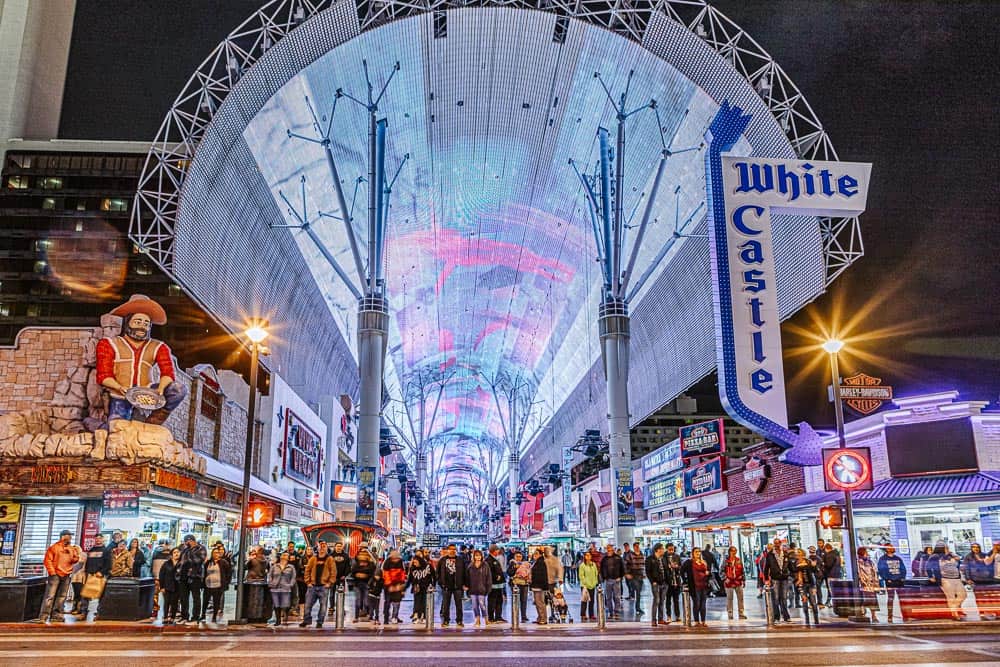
x: 833, y: 346
x: 256, y: 332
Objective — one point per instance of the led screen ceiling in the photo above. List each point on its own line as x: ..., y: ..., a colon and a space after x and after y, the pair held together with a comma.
x: 490, y: 251
x: 491, y: 265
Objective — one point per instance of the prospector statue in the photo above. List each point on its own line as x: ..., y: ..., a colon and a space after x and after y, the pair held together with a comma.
x: 126, y: 361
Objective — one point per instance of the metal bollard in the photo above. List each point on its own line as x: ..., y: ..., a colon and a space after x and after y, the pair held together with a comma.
x: 429, y: 611
x: 602, y: 622
x: 768, y: 609
x: 515, y: 607
x: 686, y: 606
x: 341, y: 606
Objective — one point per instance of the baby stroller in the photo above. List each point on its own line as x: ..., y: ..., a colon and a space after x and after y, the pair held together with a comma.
x: 558, y: 607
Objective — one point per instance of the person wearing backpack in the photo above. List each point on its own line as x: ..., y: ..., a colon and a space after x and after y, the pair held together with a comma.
x: 519, y: 572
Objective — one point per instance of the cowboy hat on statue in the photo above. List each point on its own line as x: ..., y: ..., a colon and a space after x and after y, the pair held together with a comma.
x: 126, y: 361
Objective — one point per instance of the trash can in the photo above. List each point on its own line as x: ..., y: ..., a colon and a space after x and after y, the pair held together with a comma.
x: 846, y: 601
x: 257, y: 604
x: 21, y: 598
x: 127, y: 599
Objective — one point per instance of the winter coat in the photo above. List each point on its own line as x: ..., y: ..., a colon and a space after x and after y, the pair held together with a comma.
x: 480, y: 579
x: 539, y: 575
x: 451, y: 573
x: 553, y: 566
x: 696, y: 575
x: 421, y: 575
x: 892, y: 571
x: 635, y: 565
x: 98, y: 560
x: 169, y: 576
x: 496, y: 572
x: 733, y: 573
x: 281, y: 579
x: 193, y: 561
x: 589, y: 576
x: 656, y: 571
x: 256, y: 569
x: 363, y: 567
x: 612, y: 567
x: 831, y: 564
x: 803, y: 572
x: 325, y: 575
x: 776, y: 568
x: 121, y: 563
x: 672, y: 566
x: 138, y: 560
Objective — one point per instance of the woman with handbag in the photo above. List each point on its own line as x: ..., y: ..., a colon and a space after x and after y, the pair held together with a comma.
x: 587, y: 572
x: 280, y: 580
x: 170, y: 586
x: 519, y: 573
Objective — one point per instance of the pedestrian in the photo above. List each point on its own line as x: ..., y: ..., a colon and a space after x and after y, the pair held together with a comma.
x: 375, y: 587
x: 362, y: 570
x: 569, y: 566
x: 635, y: 569
x: 60, y: 558
x: 804, y: 572
x: 734, y: 580
x: 626, y: 557
x: 137, y: 556
x: 776, y: 573
x: 892, y: 572
x: 675, y: 582
x: 612, y: 571
x: 121, y: 560
x: 714, y: 583
x: 696, y: 577
x: 589, y: 578
x: 341, y: 570
x: 868, y: 578
x: 519, y: 573
x: 421, y: 578
x: 218, y: 576
x: 494, y: 600
x: 451, y: 576
x: 918, y: 566
x: 539, y: 585
x: 394, y: 581
x: 554, y: 569
x: 98, y: 569
x: 832, y: 568
x: 657, y: 574
x: 192, y: 579
x: 480, y: 583
x: 281, y: 580
x: 295, y: 560
x: 944, y: 570
x: 169, y: 579
x: 318, y: 575
x: 256, y: 567
x: 77, y: 578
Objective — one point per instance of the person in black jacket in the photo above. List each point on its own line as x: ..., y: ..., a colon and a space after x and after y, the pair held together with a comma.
x: 656, y: 572
x: 831, y: 568
x: 98, y: 564
x: 218, y: 576
x: 776, y: 570
x: 169, y: 579
x: 192, y: 579
x: 612, y: 569
x: 539, y: 584
x: 342, y: 568
x: 494, y: 601
x: 675, y: 581
x: 452, y: 578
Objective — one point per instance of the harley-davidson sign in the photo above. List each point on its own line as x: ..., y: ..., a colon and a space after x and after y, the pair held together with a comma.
x: 756, y: 472
x: 864, y: 394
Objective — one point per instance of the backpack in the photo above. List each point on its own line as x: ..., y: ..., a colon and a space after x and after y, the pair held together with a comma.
x: 522, y: 576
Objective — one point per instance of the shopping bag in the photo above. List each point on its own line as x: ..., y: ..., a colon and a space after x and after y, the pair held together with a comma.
x: 584, y: 595
x: 93, y: 588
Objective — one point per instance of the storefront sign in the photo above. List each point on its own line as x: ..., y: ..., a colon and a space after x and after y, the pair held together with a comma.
x: 848, y: 469
x: 303, y: 451
x: 91, y: 527
x: 569, y: 516
x: 704, y: 439
x: 663, y: 491
x: 756, y: 472
x: 864, y: 394
x: 626, y: 500
x: 185, y: 485
x: 175, y: 481
x: 365, y: 507
x: 664, y: 460
x: 88, y: 481
x: 9, y: 512
x: 291, y: 513
x: 120, y: 504
x: 432, y: 540
x: 743, y: 192
x: 704, y: 478
x: 343, y: 492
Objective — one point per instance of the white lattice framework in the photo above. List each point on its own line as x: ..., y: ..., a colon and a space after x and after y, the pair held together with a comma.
x: 157, y: 199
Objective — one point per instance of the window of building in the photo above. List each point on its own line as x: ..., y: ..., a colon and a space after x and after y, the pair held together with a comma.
x: 4, y: 310
x: 42, y: 245
x: 79, y: 225
x: 16, y: 182
x: 34, y: 310
x: 48, y: 204
x: 143, y: 269
x: 81, y: 204
x: 22, y: 161
x: 173, y: 290
x: 114, y: 204
x: 51, y: 183
x: 41, y: 266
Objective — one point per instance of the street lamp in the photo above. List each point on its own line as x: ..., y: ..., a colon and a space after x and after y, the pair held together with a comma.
x: 833, y: 346
x: 256, y: 332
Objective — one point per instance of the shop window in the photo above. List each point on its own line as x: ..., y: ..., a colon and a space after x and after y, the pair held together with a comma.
x: 211, y: 403
x: 40, y: 528
x: 21, y: 161
x: 51, y: 183
x: 114, y: 205
x: 16, y: 182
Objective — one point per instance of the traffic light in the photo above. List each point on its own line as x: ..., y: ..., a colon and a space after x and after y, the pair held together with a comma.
x: 831, y: 516
x: 259, y: 515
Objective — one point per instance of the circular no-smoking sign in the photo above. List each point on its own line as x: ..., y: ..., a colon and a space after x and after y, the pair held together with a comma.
x: 847, y: 469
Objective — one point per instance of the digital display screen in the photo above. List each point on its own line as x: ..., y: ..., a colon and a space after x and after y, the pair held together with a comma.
x: 931, y: 447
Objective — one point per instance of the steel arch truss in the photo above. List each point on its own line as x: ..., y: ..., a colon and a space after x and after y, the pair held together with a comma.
x: 158, y: 196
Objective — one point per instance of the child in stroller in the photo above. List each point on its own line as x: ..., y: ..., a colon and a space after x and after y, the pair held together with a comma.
x: 560, y: 610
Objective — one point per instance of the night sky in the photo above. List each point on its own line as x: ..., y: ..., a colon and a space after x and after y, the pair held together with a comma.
x: 909, y: 86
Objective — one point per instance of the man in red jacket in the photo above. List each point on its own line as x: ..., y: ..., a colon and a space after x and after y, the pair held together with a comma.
x: 59, y: 561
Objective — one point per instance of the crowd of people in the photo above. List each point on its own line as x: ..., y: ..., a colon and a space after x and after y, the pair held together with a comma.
x: 191, y: 580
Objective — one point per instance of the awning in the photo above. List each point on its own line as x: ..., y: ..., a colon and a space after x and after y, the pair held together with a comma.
x: 604, y: 498
x: 729, y: 516
x: 223, y: 472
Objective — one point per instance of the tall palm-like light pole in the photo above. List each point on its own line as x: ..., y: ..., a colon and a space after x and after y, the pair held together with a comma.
x: 833, y: 347
x: 256, y: 332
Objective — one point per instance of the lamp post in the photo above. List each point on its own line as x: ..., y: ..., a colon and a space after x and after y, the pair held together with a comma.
x: 832, y: 347
x: 255, y: 333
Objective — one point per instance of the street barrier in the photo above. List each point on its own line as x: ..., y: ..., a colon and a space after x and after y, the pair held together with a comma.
x: 341, y: 605
x: 602, y: 621
x: 429, y: 611
x: 686, y: 607
x: 515, y: 607
x: 768, y: 609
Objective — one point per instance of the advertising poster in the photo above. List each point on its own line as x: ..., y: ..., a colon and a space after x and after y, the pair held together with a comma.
x: 704, y: 439
x: 365, y: 508
x: 626, y: 500
x: 663, y: 461
x: 569, y: 517
x: 120, y: 505
x: 703, y: 478
x: 303, y: 451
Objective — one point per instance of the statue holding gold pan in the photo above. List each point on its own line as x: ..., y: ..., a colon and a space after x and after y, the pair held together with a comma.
x: 125, y: 363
